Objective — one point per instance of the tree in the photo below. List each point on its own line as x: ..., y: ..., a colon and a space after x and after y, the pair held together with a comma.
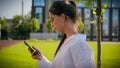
x: 98, y: 11
x: 16, y: 21
x: 99, y: 18
x: 34, y: 25
x: 48, y: 25
x: 22, y: 26
x: 81, y: 25
x: 4, y: 29
x: 16, y: 27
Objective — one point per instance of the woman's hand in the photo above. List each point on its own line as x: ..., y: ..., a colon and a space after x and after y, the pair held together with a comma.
x: 36, y: 54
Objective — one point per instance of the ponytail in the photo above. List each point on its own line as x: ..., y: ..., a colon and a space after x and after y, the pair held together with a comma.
x: 60, y: 44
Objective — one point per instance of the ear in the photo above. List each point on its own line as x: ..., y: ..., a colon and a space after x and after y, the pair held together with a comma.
x: 63, y: 17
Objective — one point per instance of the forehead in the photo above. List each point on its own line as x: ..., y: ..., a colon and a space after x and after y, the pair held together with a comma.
x: 51, y: 15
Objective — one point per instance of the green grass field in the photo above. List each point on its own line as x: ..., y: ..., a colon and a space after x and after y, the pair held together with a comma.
x: 17, y: 56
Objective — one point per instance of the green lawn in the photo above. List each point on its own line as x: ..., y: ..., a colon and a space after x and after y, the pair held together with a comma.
x: 17, y: 56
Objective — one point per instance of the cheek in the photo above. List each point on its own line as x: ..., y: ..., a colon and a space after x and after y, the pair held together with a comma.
x: 60, y: 26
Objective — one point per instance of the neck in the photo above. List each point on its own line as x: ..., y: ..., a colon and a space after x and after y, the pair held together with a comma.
x: 71, y: 33
x: 70, y: 30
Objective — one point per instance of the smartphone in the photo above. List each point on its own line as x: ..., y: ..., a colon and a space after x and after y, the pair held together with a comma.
x: 31, y: 49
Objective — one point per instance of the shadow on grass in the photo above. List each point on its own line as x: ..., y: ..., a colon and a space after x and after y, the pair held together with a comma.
x: 111, y: 63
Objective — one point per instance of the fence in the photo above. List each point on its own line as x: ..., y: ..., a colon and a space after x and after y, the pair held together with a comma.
x: 43, y: 36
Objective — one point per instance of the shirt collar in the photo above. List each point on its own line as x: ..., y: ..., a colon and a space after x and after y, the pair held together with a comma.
x: 76, y: 36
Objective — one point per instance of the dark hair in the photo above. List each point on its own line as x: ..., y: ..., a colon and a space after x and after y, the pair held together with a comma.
x: 69, y: 9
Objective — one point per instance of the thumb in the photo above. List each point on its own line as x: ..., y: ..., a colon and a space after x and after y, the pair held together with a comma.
x: 36, y: 51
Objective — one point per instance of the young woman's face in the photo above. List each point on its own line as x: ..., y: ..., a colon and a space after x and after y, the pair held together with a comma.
x: 57, y: 22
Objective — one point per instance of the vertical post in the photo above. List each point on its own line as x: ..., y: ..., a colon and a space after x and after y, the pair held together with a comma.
x: 110, y: 25
x: 110, y: 22
x: 33, y: 10
x: 102, y: 29
x: 83, y: 17
x: 98, y: 13
x: 91, y: 32
x: 22, y: 10
x: 119, y: 26
x: 91, y: 27
x: 0, y: 31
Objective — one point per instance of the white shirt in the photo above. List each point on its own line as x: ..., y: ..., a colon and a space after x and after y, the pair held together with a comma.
x: 74, y: 53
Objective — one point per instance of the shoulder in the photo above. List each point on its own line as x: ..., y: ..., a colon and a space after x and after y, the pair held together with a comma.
x: 82, y: 51
x: 77, y: 39
x: 80, y: 46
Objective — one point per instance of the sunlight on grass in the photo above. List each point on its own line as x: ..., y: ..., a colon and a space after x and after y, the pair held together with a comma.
x: 17, y: 56
x: 110, y: 54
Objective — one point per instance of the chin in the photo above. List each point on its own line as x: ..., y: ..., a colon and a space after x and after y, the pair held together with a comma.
x: 58, y: 31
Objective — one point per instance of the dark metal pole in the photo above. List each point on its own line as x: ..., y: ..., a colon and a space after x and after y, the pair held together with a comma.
x: 22, y: 10
x: 119, y: 26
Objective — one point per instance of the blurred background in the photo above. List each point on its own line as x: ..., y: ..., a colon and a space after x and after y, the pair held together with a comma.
x: 28, y: 20
x: 15, y: 12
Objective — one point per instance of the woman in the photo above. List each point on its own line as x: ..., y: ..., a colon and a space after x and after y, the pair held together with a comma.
x: 73, y: 51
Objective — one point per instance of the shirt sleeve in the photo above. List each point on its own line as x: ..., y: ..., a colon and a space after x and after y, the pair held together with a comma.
x: 44, y: 63
x: 82, y: 55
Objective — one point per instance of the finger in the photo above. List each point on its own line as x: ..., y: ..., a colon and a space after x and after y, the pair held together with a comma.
x: 33, y: 53
x: 36, y: 51
x: 37, y: 57
x: 31, y: 50
x: 35, y: 48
